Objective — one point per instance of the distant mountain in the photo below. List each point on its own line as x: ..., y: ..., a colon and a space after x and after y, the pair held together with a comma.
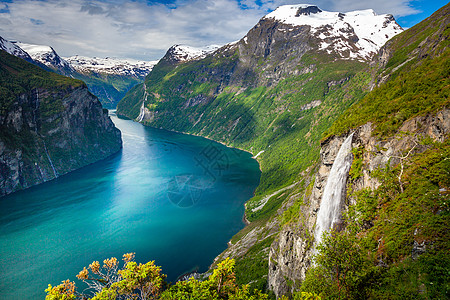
x: 353, y: 35
x: 108, y: 78
x: 47, y: 56
x: 113, y: 66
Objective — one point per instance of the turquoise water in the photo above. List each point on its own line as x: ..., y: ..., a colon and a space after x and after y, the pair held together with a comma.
x: 172, y: 198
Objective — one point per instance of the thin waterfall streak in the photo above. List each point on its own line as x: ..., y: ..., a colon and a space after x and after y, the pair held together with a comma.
x: 49, y: 159
x: 330, y: 206
x: 142, y: 110
x: 36, y: 108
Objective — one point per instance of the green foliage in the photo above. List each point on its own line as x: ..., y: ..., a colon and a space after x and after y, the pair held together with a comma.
x: 340, y: 267
x: 145, y: 278
x: 252, y: 266
x: 18, y: 77
x: 145, y: 282
x: 424, y: 89
x: 64, y: 291
x: 357, y: 164
x: 292, y: 214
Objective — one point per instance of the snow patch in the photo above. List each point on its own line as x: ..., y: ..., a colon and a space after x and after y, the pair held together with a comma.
x: 337, y: 29
x: 45, y: 55
x: 185, y: 53
x: 13, y: 49
x: 110, y: 65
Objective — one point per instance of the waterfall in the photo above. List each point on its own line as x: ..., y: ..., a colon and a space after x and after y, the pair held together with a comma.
x: 141, y: 113
x: 334, y: 192
x: 35, y: 111
x: 49, y: 159
x: 142, y: 110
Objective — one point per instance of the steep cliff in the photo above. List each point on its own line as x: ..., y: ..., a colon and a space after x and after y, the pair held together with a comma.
x: 50, y: 125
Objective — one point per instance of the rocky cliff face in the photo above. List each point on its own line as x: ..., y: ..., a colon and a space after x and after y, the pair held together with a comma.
x: 48, y: 128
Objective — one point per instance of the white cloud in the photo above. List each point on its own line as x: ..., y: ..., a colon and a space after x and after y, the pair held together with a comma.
x: 134, y: 29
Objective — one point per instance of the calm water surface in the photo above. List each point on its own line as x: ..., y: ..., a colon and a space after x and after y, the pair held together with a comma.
x: 172, y: 198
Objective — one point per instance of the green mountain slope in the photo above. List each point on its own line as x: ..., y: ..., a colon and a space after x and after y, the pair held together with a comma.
x: 416, y: 66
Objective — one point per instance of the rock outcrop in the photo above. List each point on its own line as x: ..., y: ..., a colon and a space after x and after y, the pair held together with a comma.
x: 50, y: 125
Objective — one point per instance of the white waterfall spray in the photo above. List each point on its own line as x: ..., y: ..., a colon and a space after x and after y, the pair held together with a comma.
x: 142, y: 110
x: 330, y: 206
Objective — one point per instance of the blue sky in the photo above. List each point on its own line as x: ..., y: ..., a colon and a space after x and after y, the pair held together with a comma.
x: 145, y: 29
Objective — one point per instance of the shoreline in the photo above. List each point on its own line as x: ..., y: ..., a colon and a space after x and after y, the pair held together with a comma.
x: 193, y: 134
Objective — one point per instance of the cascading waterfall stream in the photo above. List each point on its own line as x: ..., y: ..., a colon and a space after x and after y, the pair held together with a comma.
x: 330, y: 207
x: 142, y: 110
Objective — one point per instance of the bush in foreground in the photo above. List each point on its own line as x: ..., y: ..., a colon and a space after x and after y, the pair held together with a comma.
x: 145, y: 281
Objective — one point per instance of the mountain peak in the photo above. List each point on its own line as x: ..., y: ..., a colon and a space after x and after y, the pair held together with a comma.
x: 46, y: 55
x: 185, y: 53
x: 359, y: 33
x: 13, y: 49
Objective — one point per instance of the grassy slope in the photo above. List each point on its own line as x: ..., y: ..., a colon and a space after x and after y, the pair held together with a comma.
x: 18, y: 77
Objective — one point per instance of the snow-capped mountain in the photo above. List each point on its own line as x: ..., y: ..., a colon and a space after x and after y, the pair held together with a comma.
x: 355, y: 35
x: 108, y: 78
x: 184, y: 53
x: 109, y: 65
x: 46, y: 55
x: 13, y: 49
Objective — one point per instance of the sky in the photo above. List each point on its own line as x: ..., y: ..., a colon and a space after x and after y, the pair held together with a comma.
x: 145, y: 29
